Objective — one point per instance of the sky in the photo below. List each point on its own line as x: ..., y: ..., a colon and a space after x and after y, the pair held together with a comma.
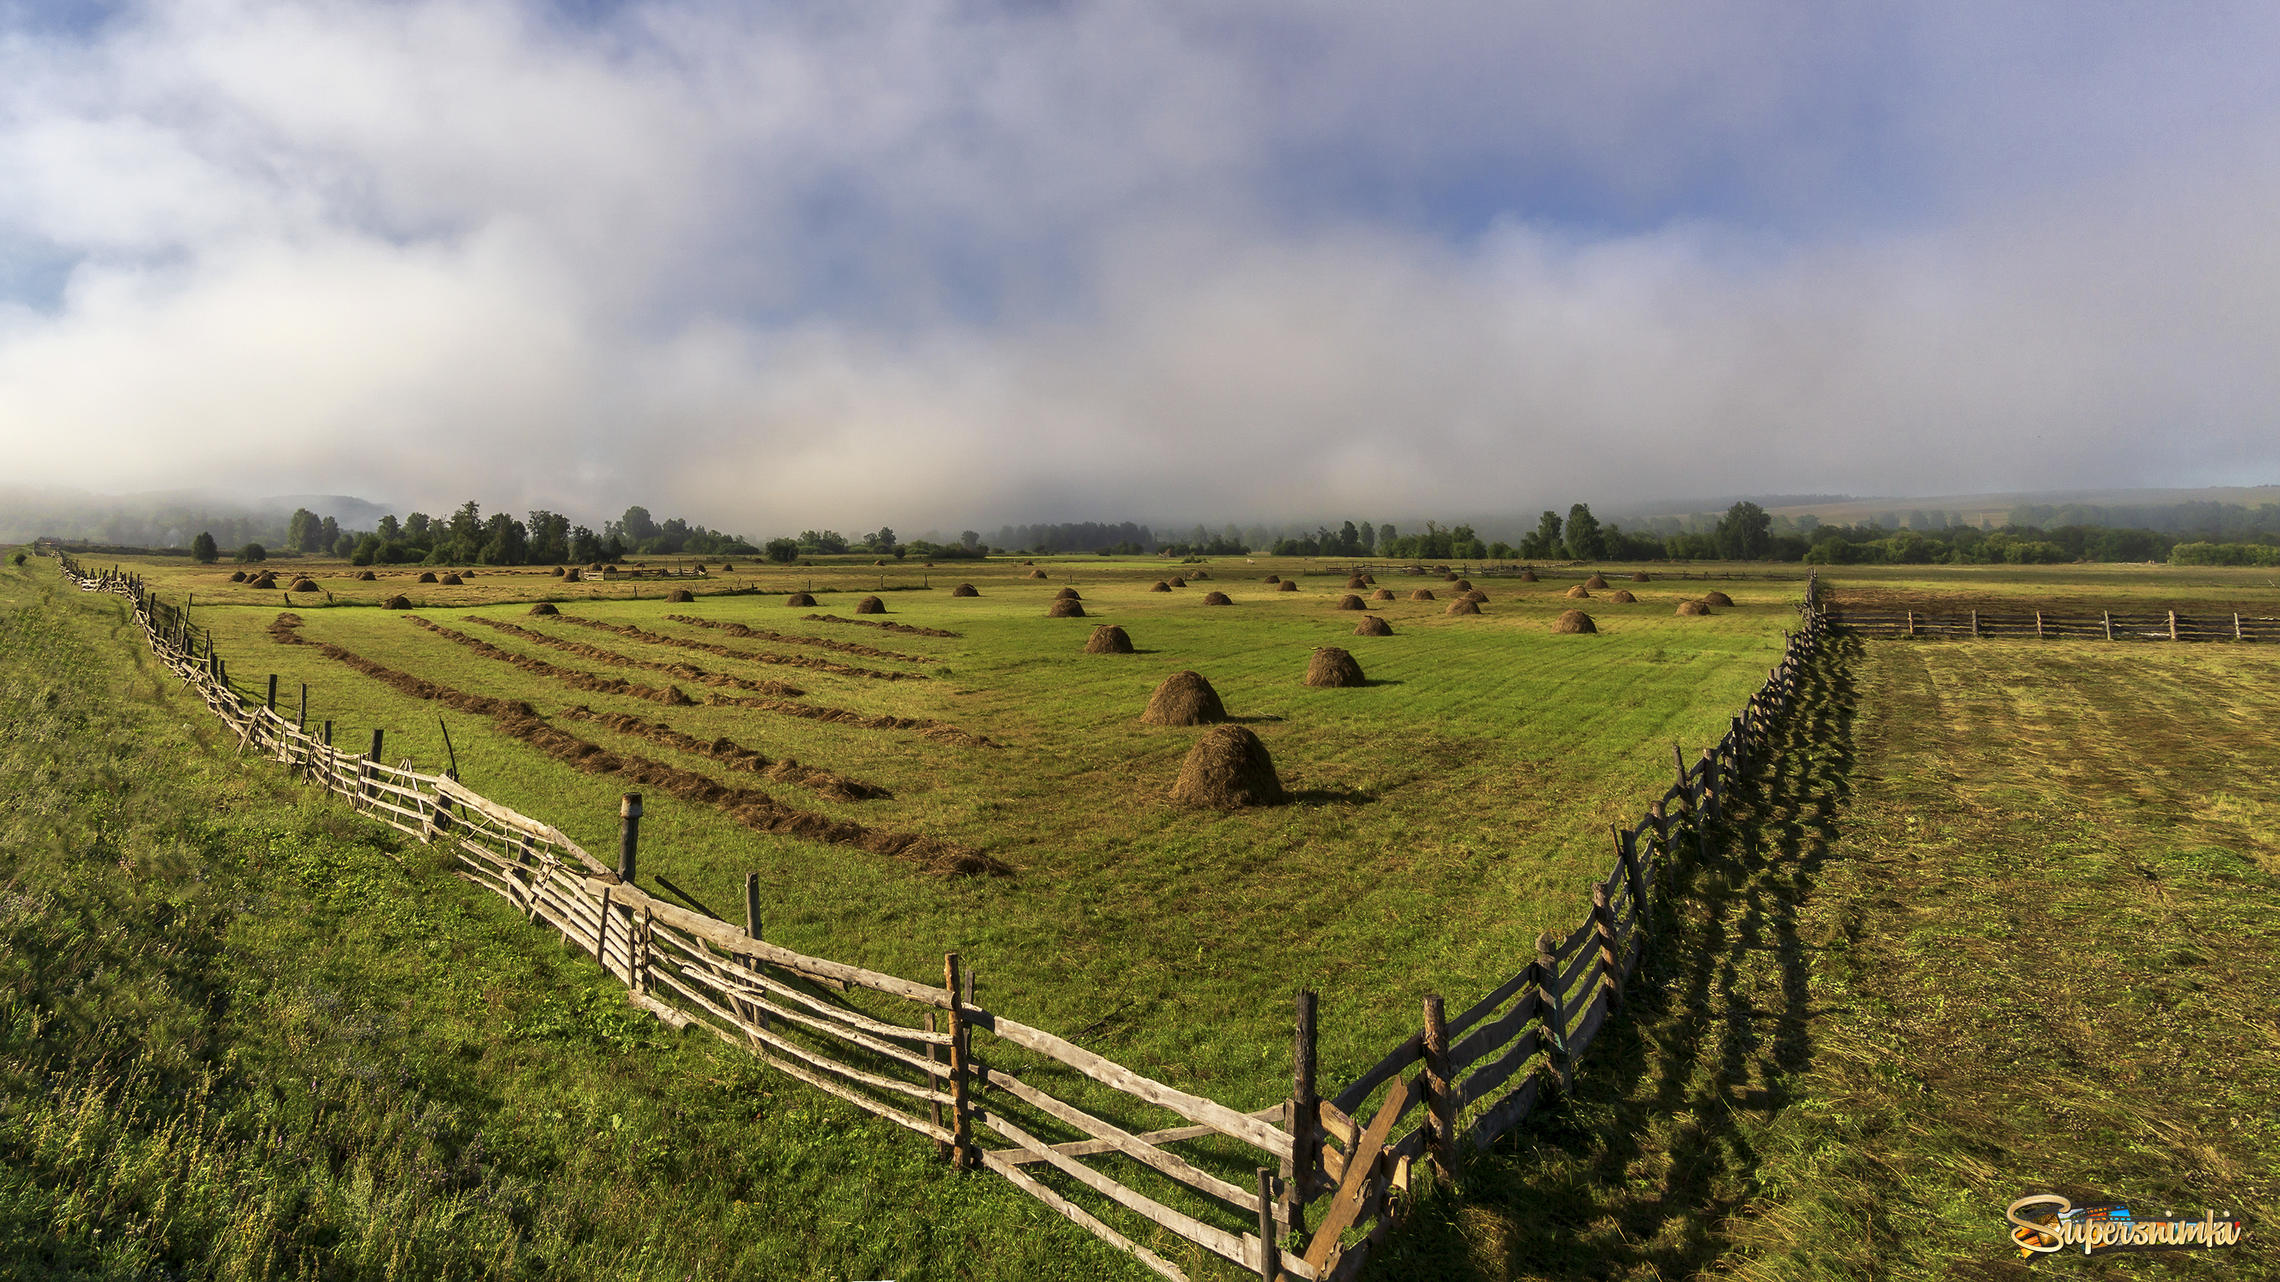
x: 948, y: 262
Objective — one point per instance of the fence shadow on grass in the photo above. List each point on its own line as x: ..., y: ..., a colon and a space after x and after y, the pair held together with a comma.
x: 1633, y: 1174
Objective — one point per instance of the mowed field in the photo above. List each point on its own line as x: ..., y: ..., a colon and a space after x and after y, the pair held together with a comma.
x: 2247, y: 590
x: 1443, y: 814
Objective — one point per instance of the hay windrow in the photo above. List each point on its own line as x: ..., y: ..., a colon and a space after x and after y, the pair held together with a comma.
x: 1184, y: 699
x: 1108, y: 639
x: 1715, y: 597
x: 1216, y: 598
x: 734, y: 755
x: 1573, y: 622
x: 906, y: 629
x: 1064, y: 608
x: 1228, y: 769
x: 570, y: 677
x: 809, y: 662
x: 939, y: 731
x: 685, y: 671
x: 1373, y: 626
x: 1333, y: 669
x: 791, y: 638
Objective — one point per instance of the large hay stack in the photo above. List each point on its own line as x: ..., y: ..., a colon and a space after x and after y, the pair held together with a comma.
x: 1333, y: 669
x: 427, y: 576
x: 1422, y: 594
x: 1715, y: 597
x: 398, y: 602
x: 1476, y: 596
x: 1595, y: 581
x: 237, y: 576
x: 1160, y: 586
x: 680, y: 596
x: 1373, y: 626
x: 1351, y: 602
x: 1642, y: 576
x: 1184, y: 699
x: 1382, y: 594
x: 1461, y: 586
x: 1692, y: 608
x: 1462, y: 606
x: 1287, y: 585
x: 964, y: 589
x: 1216, y: 598
x: 1580, y: 592
x: 1228, y: 769
x: 453, y: 581
x: 1035, y: 574
x: 870, y: 605
x: 1357, y: 582
x: 1528, y: 576
x: 1067, y: 594
x: 305, y: 585
x: 1108, y: 639
x: 1624, y: 596
x: 366, y: 576
x: 800, y: 601
x: 1178, y: 582
x: 1573, y: 622
x: 1066, y: 608
x: 544, y: 607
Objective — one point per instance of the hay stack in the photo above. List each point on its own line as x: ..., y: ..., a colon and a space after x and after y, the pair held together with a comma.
x: 1357, y: 582
x: 1035, y: 574
x: 1370, y: 579
x: 1462, y: 606
x: 680, y: 596
x: 1623, y: 597
x: 964, y: 589
x: 467, y: 574
x: 237, y: 576
x: 800, y: 601
x: 1422, y: 594
x: 1067, y: 594
x: 1228, y: 769
x: 1065, y: 608
x: 544, y: 607
x: 453, y: 580
x: 427, y: 576
x: 1108, y: 639
x: 1373, y: 626
x: 398, y: 602
x: 880, y: 561
x: 266, y: 581
x: 1382, y: 594
x: 1200, y: 574
x: 1595, y: 581
x: 870, y: 605
x: 1161, y: 586
x: 1461, y: 586
x: 1351, y: 602
x: 1272, y: 578
x: 1216, y: 598
x: 1184, y: 699
x: 1333, y: 669
x: 1476, y: 596
x: 1580, y: 593
x: 1574, y: 621
x: 1642, y: 577
x: 573, y: 576
x: 1527, y: 576
x: 1287, y: 585
x: 305, y: 585
x: 1690, y: 608
x: 1178, y: 582
x: 1717, y: 598
x: 366, y: 576
x: 1448, y: 576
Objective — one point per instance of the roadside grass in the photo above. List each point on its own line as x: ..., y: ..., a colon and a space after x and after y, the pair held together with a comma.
x: 2005, y: 926
x: 247, y: 1034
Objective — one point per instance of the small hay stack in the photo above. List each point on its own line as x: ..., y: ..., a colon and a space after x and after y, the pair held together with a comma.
x: 1462, y: 606
x: 1184, y: 699
x: 1573, y: 622
x: 1448, y: 576
x: 1228, y: 769
x: 1623, y: 596
x: 1527, y: 576
x: 1476, y: 596
x: 398, y: 602
x: 800, y: 600
x: 1272, y: 578
x: 1422, y: 594
x: 305, y: 585
x: 1035, y: 574
x: 573, y: 576
x: 1461, y: 586
x: 870, y: 605
x: 544, y: 607
x: 453, y: 580
x: 1357, y: 582
x: 1351, y: 602
x: 237, y: 576
x: 1595, y: 581
x: 266, y: 581
x: 1642, y: 577
x: 1178, y: 582
x: 1691, y: 608
x: 1161, y: 586
x: 427, y: 576
x: 1382, y: 594
x: 1067, y: 594
x: 1333, y: 669
x: 1108, y: 639
x: 1216, y: 598
x: 366, y: 576
x: 1370, y: 579
x: 1717, y: 598
x: 680, y: 596
x: 1200, y: 574
x: 1287, y: 585
x: 1066, y: 608
x: 1580, y: 593
x: 1373, y: 626
x: 964, y: 589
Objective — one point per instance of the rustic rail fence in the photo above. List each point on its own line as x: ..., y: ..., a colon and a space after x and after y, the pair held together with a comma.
x: 1301, y: 1189
x: 2053, y: 625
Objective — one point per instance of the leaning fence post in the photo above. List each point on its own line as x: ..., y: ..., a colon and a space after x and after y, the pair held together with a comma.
x: 1269, y: 1257
x: 961, y: 1127
x: 1440, y: 1092
x: 629, y: 834
x: 1302, y: 1114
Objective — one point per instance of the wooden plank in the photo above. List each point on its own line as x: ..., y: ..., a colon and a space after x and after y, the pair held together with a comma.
x: 735, y: 940
x: 1119, y: 1139
x: 1379, y: 1073
x: 673, y: 1019
x: 1587, y: 1027
x: 1508, y: 1113
x: 1354, y: 1188
x: 1524, y: 1012
x: 1081, y: 1217
x: 733, y: 971
x: 1195, y: 1108
x: 515, y: 821
x: 749, y: 994
x: 1575, y: 940
x: 1094, y: 1148
x: 1575, y: 971
x: 1495, y: 998
x: 856, y: 1098
x: 1334, y: 1120
x: 1496, y: 1072
x: 807, y: 1055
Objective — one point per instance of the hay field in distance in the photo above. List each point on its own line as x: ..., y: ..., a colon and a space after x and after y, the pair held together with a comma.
x: 1443, y: 814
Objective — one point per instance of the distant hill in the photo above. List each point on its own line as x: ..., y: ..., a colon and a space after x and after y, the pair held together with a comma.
x: 2158, y: 509
x: 167, y: 518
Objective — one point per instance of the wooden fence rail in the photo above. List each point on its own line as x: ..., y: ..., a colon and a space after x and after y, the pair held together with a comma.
x: 2051, y: 625
x: 1297, y: 1190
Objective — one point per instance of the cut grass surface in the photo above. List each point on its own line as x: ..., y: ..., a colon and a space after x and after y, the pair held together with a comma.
x: 2001, y: 924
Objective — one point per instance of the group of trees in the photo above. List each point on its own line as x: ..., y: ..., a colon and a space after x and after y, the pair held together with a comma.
x: 467, y: 537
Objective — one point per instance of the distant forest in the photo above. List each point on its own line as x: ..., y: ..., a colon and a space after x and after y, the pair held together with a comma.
x: 2200, y: 533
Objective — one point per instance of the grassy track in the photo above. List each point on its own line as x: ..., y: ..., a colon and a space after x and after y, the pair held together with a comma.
x: 245, y: 1034
x: 1449, y: 811
x: 2008, y: 928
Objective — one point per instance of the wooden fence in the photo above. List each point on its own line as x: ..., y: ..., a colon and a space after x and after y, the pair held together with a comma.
x: 1298, y: 1190
x: 2105, y: 625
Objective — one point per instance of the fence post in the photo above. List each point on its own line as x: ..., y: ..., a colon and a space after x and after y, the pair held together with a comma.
x: 1911, y: 624
x: 2107, y: 616
x: 1603, y: 926
x: 752, y: 904
x: 961, y: 1134
x: 1440, y: 1092
x: 365, y: 774
x: 301, y: 723
x: 2038, y: 625
x: 629, y: 834
x: 1657, y: 813
x: 2236, y: 625
x: 1975, y: 625
x: 2173, y: 625
x: 1547, y: 967
x: 271, y: 705
x: 1302, y: 1114
x: 934, y: 1083
x: 1627, y: 854
x: 1269, y: 1257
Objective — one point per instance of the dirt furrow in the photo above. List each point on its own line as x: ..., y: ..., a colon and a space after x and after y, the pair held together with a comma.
x: 793, y: 638
x: 754, y: 656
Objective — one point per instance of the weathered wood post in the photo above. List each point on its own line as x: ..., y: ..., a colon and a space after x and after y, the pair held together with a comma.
x: 961, y: 1124
x: 2236, y: 625
x: 301, y: 722
x: 1302, y: 1115
x: 1440, y: 1092
x: 752, y: 904
x: 271, y: 705
x: 1662, y: 832
x: 1603, y: 931
x: 1911, y: 623
x: 366, y: 774
x: 2173, y: 625
x: 629, y: 835
x: 2038, y: 625
x: 1627, y: 854
x: 2107, y: 617
x: 1975, y: 625
x: 1547, y: 968
x: 1270, y: 1259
